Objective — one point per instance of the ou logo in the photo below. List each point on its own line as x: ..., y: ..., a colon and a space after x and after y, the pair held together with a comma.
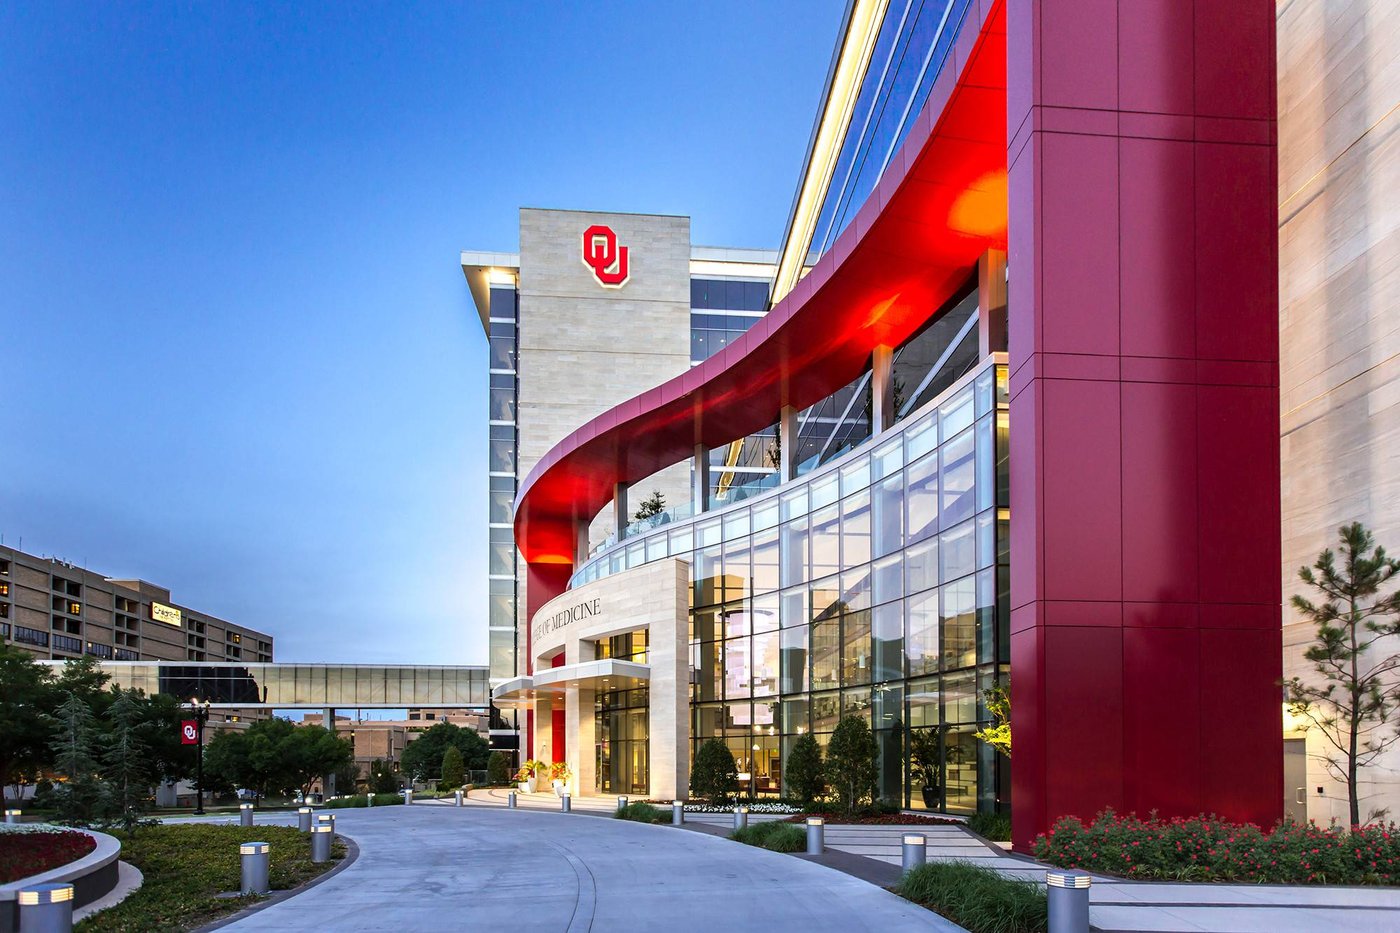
x: 602, y: 254
x: 191, y: 733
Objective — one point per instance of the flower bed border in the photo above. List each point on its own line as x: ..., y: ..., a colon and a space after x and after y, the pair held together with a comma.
x: 93, y: 876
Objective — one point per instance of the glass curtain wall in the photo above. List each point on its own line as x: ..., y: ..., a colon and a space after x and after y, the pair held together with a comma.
x: 501, y: 481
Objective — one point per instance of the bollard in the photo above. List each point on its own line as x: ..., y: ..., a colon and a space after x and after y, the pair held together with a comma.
x: 1067, y: 896
x: 327, y: 819
x: 915, y: 850
x: 816, y: 835
x: 408, y: 796
x: 677, y: 813
x: 46, y: 908
x: 254, y: 858
x: 565, y: 802
x: 510, y: 800
x: 369, y: 799
x: 12, y: 816
x: 622, y: 803
x: 245, y: 814
x: 457, y: 799
x: 741, y: 818
x: 321, y: 835
x: 467, y: 792
x: 304, y: 819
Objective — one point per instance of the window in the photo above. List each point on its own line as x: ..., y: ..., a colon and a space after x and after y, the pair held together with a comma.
x: 65, y: 643
x: 29, y: 636
x: 4, y: 568
x: 4, y: 589
x: 99, y: 651
x: 4, y: 610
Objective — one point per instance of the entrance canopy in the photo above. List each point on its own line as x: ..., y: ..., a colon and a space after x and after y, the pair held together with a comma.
x: 607, y: 674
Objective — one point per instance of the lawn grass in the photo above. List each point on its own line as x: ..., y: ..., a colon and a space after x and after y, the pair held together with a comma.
x: 778, y: 836
x: 643, y: 813
x: 186, y: 866
x: 976, y: 898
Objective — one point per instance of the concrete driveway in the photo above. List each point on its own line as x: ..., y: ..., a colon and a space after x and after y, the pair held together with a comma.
x: 432, y: 867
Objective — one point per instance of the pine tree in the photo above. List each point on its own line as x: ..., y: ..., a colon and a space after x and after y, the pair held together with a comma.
x: 651, y: 506
x: 850, y: 763
x: 1358, y: 690
x: 453, y: 769
x: 126, y: 763
x: 714, y: 776
x: 804, y: 770
x: 72, y: 742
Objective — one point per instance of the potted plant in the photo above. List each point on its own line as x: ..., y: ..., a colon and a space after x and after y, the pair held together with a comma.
x: 923, y: 763
x: 526, y: 777
x: 560, y: 775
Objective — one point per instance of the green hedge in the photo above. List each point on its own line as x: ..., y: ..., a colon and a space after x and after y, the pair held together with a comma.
x: 643, y: 813
x: 976, y: 898
x: 994, y: 826
x: 777, y: 835
x: 360, y: 800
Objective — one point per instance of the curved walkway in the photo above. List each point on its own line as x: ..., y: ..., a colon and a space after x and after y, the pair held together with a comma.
x: 489, y: 868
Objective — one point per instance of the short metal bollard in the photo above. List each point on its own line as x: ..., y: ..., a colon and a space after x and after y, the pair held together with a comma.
x: 915, y: 847
x: 741, y: 818
x: 254, y: 859
x: 12, y: 816
x: 46, y: 908
x: 1067, y: 896
x: 622, y: 803
x: 677, y: 813
x: 245, y: 814
x: 566, y: 803
x: 369, y: 799
x: 408, y: 796
x: 510, y: 800
x: 321, y: 835
x: 327, y: 819
x: 816, y: 835
x: 304, y: 819
x: 457, y: 799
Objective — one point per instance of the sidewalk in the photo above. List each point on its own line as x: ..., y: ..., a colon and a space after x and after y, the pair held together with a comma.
x: 1116, y: 905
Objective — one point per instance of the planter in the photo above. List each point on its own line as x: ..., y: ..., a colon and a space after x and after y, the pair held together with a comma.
x: 92, y: 877
x: 558, y: 787
x: 528, y: 787
x: 930, y: 797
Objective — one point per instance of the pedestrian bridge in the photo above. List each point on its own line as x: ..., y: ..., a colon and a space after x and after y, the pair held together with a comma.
x: 307, y: 686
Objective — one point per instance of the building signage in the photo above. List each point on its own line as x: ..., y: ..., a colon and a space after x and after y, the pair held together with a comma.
x: 189, y: 732
x: 605, y: 257
x: 563, y: 617
x: 163, y: 613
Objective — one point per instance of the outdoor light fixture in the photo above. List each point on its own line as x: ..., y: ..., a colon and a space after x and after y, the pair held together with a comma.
x: 200, y: 709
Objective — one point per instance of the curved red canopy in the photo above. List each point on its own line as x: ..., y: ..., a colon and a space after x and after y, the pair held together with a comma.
x: 941, y: 204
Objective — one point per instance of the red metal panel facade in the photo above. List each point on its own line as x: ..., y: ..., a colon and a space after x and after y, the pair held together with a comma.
x: 1144, y: 409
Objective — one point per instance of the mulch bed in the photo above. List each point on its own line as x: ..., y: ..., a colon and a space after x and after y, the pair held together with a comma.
x: 30, y: 853
x: 882, y: 819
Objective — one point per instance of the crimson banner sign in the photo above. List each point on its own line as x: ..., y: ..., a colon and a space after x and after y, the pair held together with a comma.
x: 189, y: 732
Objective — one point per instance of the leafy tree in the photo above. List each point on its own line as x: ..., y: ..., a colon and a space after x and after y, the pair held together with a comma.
x: 127, y: 771
x: 312, y: 752
x: 227, y: 764
x: 160, y: 718
x: 25, y: 690
x: 651, y: 506
x: 850, y: 763
x: 714, y: 776
x: 998, y: 735
x: 422, y: 758
x: 73, y: 741
x: 382, y: 779
x: 347, y: 778
x: 804, y: 770
x: 498, y: 768
x: 1356, y: 690
x: 454, y: 772
x: 274, y: 757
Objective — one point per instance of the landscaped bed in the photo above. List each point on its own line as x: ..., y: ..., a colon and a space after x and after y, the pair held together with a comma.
x: 31, y: 850
x: 1206, y: 848
x: 777, y: 835
x: 976, y: 897
x: 877, y: 819
x: 186, y: 867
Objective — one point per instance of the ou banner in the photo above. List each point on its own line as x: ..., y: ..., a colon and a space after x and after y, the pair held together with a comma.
x: 189, y: 732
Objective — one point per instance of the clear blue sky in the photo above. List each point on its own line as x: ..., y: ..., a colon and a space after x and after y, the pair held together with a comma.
x: 237, y: 354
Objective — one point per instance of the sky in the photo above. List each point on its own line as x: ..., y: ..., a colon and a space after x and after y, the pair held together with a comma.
x: 238, y: 357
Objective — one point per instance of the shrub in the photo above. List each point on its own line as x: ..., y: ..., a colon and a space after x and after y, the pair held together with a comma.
x: 643, y: 813
x: 714, y: 776
x: 361, y: 800
x: 1206, y: 848
x: 850, y: 763
x: 777, y: 836
x: 994, y: 826
x: 498, y: 768
x: 387, y: 800
x: 29, y: 850
x: 804, y: 770
x: 454, y: 769
x: 976, y: 898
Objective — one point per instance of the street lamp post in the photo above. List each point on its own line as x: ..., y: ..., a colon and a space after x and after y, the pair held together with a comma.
x: 200, y: 708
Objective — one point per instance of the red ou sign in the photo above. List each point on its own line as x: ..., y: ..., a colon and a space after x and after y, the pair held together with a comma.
x: 189, y: 732
x: 605, y: 257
